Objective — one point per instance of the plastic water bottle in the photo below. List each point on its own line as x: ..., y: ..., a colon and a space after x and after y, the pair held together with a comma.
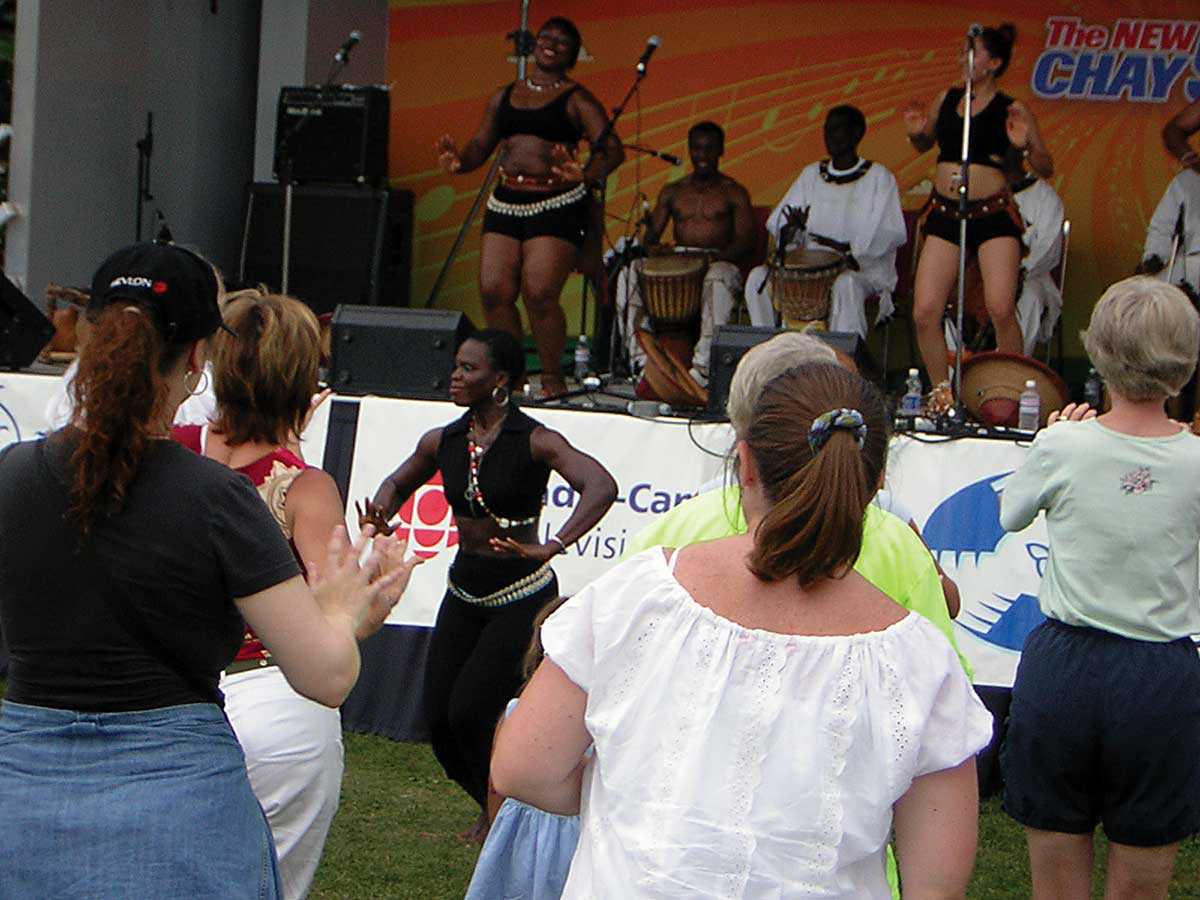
x: 1093, y: 390
x: 1030, y: 415
x: 583, y: 358
x: 911, y: 402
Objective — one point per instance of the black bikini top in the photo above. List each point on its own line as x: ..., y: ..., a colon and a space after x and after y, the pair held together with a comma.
x: 512, y: 482
x: 989, y: 138
x: 549, y: 122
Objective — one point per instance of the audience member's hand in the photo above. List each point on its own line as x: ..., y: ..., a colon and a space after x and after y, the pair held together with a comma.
x: 345, y: 589
x: 393, y: 566
x: 1072, y: 412
x: 370, y: 514
x: 539, y: 552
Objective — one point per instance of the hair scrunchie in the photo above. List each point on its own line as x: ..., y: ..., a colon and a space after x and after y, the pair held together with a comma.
x: 823, y: 425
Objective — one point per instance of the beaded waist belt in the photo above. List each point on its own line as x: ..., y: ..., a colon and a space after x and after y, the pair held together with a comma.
x: 525, y: 210
x: 518, y: 590
x: 976, y: 209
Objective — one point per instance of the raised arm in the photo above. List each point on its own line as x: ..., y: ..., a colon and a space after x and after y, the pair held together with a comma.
x: 920, y: 122
x: 937, y: 828
x: 1175, y: 135
x: 402, y: 483
x: 477, y: 150
x: 1024, y: 134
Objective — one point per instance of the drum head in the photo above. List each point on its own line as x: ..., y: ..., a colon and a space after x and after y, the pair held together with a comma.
x: 672, y: 265
x: 667, y: 377
x: 813, y: 259
x: 992, y: 384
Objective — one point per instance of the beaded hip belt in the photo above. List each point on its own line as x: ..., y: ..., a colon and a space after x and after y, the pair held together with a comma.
x: 976, y: 209
x: 525, y: 210
x: 526, y: 587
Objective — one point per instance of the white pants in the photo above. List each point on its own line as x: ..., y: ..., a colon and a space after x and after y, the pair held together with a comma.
x: 294, y: 758
x: 1037, y: 310
x: 847, y: 305
x: 722, y: 284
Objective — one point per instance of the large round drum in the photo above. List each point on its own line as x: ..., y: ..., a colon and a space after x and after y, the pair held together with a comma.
x: 802, y: 286
x: 671, y: 285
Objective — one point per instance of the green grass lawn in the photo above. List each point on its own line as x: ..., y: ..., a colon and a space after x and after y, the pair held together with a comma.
x: 395, y: 835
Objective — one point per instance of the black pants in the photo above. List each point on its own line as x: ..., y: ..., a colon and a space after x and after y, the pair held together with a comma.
x: 474, y: 667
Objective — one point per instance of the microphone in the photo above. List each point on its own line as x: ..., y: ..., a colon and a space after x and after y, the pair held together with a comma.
x: 652, y: 43
x: 343, y: 54
x: 975, y: 30
x: 671, y: 158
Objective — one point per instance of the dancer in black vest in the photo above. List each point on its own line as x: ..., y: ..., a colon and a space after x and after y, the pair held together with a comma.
x: 495, y: 462
x: 1000, y: 126
x: 538, y: 215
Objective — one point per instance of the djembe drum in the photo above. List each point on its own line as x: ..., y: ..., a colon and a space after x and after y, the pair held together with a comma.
x: 671, y: 286
x: 801, y: 288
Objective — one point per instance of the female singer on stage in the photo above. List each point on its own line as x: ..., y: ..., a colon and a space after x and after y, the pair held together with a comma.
x: 495, y: 462
x: 538, y: 213
x: 1000, y: 125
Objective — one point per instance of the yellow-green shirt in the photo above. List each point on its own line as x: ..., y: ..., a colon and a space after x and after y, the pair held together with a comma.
x: 892, y: 558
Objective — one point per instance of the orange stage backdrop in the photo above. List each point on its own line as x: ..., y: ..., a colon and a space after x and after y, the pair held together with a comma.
x: 1101, y: 81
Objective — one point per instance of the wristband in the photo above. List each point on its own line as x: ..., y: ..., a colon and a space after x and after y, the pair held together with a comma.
x: 559, y: 541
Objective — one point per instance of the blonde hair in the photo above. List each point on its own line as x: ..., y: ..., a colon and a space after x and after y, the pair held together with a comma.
x: 264, y: 378
x: 765, y: 362
x: 1143, y: 338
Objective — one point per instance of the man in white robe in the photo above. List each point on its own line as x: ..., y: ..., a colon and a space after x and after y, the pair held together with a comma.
x: 848, y: 204
x: 1180, y: 205
x: 1040, y: 302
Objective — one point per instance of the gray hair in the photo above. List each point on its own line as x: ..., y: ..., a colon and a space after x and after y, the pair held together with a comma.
x: 1143, y: 338
x: 764, y: 363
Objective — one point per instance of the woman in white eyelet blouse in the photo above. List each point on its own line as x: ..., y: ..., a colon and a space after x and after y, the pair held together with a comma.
x: 760, y: 724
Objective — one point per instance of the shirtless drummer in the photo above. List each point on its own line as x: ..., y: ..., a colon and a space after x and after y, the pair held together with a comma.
x: 709, y: 211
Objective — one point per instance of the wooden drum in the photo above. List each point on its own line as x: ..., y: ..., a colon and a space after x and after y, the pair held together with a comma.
x: 671, y: 285
x: 801, y: 288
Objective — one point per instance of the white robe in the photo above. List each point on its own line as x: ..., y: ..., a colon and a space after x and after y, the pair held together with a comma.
x: 1182, y: 193
x: 865, y: 214
x: 1040, y: 303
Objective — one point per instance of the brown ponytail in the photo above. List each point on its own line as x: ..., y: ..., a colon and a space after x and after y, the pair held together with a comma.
x: 118, y: 391
x: 813, y: 528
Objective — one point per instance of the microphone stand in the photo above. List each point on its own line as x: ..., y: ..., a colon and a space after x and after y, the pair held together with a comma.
x: 657, y: 154
x: 963, y: 185
x: 523, y: 43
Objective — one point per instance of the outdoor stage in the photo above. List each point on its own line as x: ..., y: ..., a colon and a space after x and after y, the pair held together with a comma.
x: 950, y: 486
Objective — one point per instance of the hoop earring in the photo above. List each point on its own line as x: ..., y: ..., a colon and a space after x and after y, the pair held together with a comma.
x: 201, y: 383
x: 500, y: 395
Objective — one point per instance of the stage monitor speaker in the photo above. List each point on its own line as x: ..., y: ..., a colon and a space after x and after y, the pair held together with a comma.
x: 349, y: 244
x: 337, y: 134
x: 730, y: 343
x: 395, y: 352
x: 24, y: 329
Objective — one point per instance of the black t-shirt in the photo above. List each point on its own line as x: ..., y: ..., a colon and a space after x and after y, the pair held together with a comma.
x: 191, y: 536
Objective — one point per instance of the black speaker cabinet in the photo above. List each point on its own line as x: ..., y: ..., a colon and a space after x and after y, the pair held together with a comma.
x: 730, y: 343
x: 395, y: 352
x: 349, y: 243
x: 24, y: 329
x: 337, y: 134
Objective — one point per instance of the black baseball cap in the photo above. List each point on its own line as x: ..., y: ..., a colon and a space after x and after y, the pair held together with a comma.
x: 176, y: 284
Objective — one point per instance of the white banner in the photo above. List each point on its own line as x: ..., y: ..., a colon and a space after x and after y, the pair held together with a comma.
x: 656, y: 463
x: 953, y: 490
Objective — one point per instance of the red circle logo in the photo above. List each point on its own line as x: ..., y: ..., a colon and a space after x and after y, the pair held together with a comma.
x: 426, y: 520
x: 159, y: 287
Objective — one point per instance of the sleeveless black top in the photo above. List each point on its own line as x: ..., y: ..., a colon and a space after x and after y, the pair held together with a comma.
x: 989, y: 139
x: 513, y: 484
x: 549, y: 122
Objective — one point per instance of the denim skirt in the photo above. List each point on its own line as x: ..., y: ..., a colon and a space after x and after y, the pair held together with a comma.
x: 129, y: 804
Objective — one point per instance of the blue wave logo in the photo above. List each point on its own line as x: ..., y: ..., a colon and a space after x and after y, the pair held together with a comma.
x: 967, y: 523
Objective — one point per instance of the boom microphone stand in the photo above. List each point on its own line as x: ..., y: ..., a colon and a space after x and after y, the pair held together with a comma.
x: 523, y: 44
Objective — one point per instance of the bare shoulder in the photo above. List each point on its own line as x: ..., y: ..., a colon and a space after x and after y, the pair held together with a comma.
x: 735, y: 190
x: 313, y: 488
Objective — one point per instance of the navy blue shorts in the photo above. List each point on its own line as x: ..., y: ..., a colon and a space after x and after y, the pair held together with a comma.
x: 1105, y: 729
